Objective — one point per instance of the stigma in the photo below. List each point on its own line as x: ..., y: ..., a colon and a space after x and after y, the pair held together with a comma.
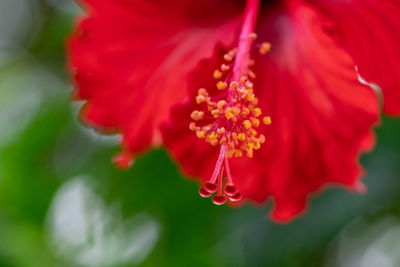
x: 230, y: 119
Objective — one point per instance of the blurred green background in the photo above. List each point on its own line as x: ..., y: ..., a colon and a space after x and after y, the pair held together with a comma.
x: 62, y: 202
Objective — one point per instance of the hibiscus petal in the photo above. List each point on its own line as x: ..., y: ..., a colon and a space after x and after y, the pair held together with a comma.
x: 370, y: 31
x: 130, y: 60
x: 321, y: 116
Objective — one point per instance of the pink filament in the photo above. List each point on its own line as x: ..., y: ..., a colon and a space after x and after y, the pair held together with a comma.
x: 242, y: 55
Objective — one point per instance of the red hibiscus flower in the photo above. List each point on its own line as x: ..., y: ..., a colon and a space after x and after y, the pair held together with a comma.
x: 207, y: 78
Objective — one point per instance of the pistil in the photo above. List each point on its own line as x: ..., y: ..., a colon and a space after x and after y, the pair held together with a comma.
x: 233, y: 113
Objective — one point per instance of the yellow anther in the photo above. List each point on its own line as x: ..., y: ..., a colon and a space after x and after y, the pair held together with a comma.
x: 214, y: 112
x: 225, y: 67
x: 221, y: 85
x: 261, y: 138
x: 257, y: 146
x: 247, y: 124
x: 250, y: 97
x: 235, y: 110
x: 201, y: 115
x: 192, y: 126
x: 212, y: 136
x: 222, y: 141
x: 255, y: 122
x: 243, y: 79
x: 228, y: 113
x: 231, y: 145
x: 257, y: 112
x: 250, y: 152
x: 217, y: 74
x: 250, y: 91
x: 197, y: 115
x: 253, y: 140
x: 234, y: 85
x: 231, y: 152
x: 264, y: 48
x: 232, y: 52
x: 238, y: 153
x: 244, y: 147
x: 241, y: 137
x: 202, y: 91
x: 194, y: 114
x: 241, y: 92
x: 221, y: 130
x: 267, y: 120
x: 253, y: 35
x: 245, y: 111
x: 214, y: 142
x: 253, y: 132
x: 251, y: 74
x: 221, y: 104
x: 234, y: 136
x: 200, y: 99
x: 228, y: 57
x: 249, y: 85
x: 201, y: 134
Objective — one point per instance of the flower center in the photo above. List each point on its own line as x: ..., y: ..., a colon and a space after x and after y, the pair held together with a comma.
x: 231, y: 117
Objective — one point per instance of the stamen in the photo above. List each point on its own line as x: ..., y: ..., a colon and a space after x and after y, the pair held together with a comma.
x: 217, y: 74
x: 264, y: 48
x: 222, y: 85
x: 267, y: 120
x: 225, y: 67
x: 230, y: 117
x: 228, y: 58
x: 253, y: 35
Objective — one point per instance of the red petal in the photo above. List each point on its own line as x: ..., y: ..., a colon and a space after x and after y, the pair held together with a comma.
x: 321, y: 114
x: 322, y: 117
x: 131, y: 59
x: 370, y: 31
